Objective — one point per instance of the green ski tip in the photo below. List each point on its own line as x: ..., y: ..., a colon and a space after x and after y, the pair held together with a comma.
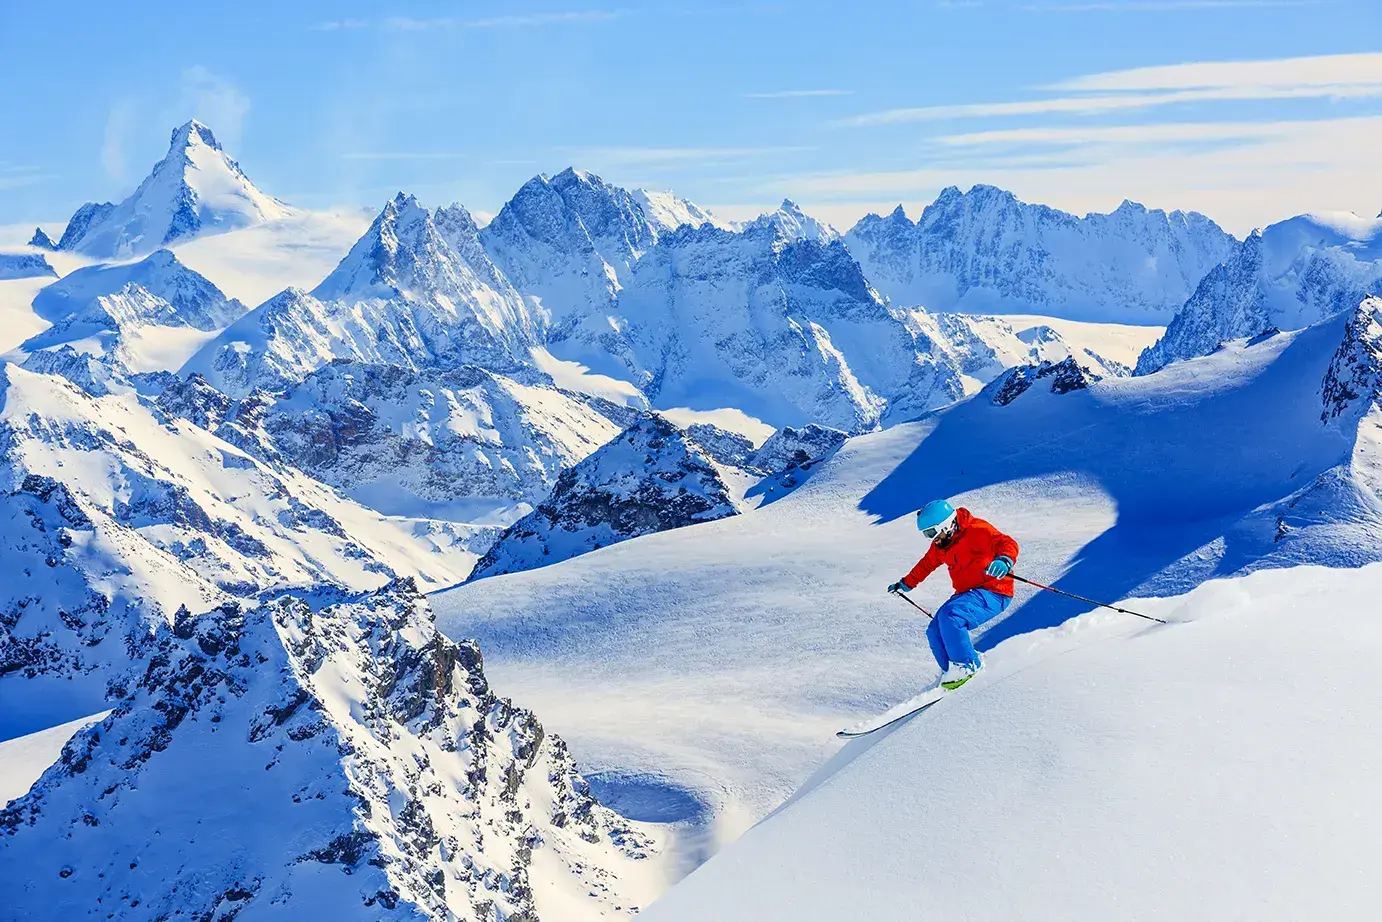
x: 951, y: 686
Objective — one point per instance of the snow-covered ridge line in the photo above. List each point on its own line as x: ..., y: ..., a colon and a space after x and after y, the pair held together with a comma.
x: 360, y: 765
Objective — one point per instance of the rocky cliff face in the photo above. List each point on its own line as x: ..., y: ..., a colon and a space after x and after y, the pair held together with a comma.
x: 986, y: 251
x: 25, y: 266
x: 1057, y: 377
x: 359, y: 765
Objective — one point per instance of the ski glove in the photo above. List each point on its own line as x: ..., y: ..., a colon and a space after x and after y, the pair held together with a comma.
x: 1000, y: 567
x: 899, y: 586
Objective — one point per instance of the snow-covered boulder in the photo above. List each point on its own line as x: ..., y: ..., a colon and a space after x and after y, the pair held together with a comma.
x: 1063, y: 377
x: 195, y: 189
x: 41, y: 240
x: 349, y: 761
x: 650, y: 478
x: 985, y: 251
x: 411, y: 292
x: 1287, y: 277
x: 25, y: 266
x: 787, y: 329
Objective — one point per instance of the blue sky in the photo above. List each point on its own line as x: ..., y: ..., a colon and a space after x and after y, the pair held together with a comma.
x: 845, y: 107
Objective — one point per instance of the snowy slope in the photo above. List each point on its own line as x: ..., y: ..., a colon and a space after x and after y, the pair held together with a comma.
x: 403, y: 295
x: 793, y: 223
x: 118, y: 513
x: 787, y: 330
x: 349, y: 761
x: 651, y: 477
x: 724, y: 655
x: 194, y: 190
x: 1289, y: 276
x: 667, y: 211
x: 986, y: 252
x: 141, y: 316
x: 1105, y: 770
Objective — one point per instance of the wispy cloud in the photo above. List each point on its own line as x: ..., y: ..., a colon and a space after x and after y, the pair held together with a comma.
x: 14, y: 175
x: 1161, y: 6
x: 666, y: 155
x: 516, y: 21
x: 797, y: 94
x: 1352, y: 76
x: 216, y: 101
x: 404, y: 155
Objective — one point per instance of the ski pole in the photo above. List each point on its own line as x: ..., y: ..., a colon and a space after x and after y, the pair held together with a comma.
x: 913, y: 604
x: 1083, y: 599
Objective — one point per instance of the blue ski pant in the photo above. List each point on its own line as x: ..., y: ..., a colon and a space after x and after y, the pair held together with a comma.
x: 948, y: 632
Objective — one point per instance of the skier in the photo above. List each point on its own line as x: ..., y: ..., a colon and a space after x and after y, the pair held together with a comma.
x: 980, y: 559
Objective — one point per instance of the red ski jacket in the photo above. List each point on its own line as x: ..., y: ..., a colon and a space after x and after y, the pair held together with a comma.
x: 968, y: 555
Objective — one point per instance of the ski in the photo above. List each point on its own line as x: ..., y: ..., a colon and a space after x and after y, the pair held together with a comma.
x: 894, y: 714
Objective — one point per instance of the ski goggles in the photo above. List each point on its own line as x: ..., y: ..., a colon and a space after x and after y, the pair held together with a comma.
x: 932, y: 532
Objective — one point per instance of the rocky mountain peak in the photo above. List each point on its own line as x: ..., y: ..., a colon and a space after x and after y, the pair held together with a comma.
x: 1353, y: 384
x: 41, y: 240
x: 649, y: 478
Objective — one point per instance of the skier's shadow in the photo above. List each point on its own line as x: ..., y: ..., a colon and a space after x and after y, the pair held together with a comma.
x: 1180, y: 480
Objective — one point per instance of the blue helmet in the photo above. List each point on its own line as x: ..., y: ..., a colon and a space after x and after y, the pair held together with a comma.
x: 936, y: 519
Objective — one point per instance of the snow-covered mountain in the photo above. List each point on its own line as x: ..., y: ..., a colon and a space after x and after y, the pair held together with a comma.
x: 650, y: 478
x: 668, y: 211
x: 723, y: 657
x: 347, y: 761
x: 120, y: 513
x: 791, y: 222
x: 787, y: 329
x: 412, y: 292
x: 195, y: 189
x: 408, y: 442
x: 570, y: 242
x: 1289, y: 276
x: 24, y: 266
x: 984, y: 347
x: 40, y: 240
x: 140, y: 316
x: 986, y: 252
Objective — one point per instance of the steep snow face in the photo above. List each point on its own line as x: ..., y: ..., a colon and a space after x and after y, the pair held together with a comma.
x: 788, y: 330
x: 769, y: 631
x: 791, y: 222
x: 1108, y: 756
x: 651, y: 478
x: 1287, y: 277
x: 984, y: 251
x: 405, y: 295
x: 570, y: 241
x: 25, y: 266
x: 360, y: 767
x: 195, y: 189
x: 406, y: 442
x: 667, y: 211
x: 134, y: 317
